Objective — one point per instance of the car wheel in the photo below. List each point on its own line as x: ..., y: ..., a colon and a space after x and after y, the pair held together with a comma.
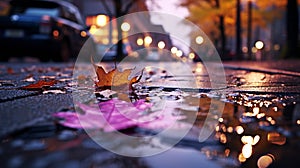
x: 64, y: 53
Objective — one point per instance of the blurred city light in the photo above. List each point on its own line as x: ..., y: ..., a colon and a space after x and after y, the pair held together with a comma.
x: 245, y: 49
x: 276, y: 138
x: 55, y: 33
x: 239, y: 129
x: 276, y: 47
x: 192, y: 56
x: 83, y: 33
x: 254, y: 49
x: 161, y: 45
x: 247, y: 150
x: 241, y: 158
x: 140, y: 41
x: 265, y: 161
x: 174, y: 50
x: 125, y: 26
x: 93, y: 29
x: 148, y: 40
x: 199, y: 40
x: 101, y: 20
x: 259, y: 45
x: 255, y: 110
x: 179, y: 53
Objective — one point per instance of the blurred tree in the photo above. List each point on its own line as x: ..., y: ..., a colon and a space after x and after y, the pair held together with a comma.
x: 292, y: 29
x: 213, y: 17
x: 217, y: 18
x: 292, y: 22
x: 121, y: 8
x: 119, y: 11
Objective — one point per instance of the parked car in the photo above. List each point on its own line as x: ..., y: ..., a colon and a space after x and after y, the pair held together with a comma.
x: 47, y: 29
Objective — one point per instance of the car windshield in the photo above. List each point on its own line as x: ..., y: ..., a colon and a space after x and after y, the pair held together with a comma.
x: 41, y: 11
x: 35, y: 11
x: 34, y: 8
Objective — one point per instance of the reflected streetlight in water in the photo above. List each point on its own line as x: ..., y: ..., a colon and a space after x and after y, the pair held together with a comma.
x: 265, y: 161
x: 247, y: 150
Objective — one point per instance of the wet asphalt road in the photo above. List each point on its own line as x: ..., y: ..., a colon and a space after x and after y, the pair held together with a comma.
x: 33, y: 104
x: 26, y: 114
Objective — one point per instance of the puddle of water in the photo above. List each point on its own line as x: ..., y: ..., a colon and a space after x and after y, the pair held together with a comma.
x: 260, y: 126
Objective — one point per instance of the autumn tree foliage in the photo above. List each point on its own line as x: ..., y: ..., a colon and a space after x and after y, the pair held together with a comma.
x: 217, y: 18
x: 214, y: 17
x: 292, y: 22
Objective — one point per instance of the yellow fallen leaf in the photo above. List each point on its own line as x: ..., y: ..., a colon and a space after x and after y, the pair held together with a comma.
x: 115, y: 78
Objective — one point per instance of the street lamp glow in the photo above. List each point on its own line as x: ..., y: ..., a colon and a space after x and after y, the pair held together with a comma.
x: 161, y: 45
x: 245, y: 49
x: 93, y: 29
x: 199, y: 40
x: 192, y: 56
x: 101, y: 20
x: 254, y: 49
x: 174, y: 50
x: 140, y: 41
x: 148, y: 40
x: 259, y: 45
x: 276, y: 47
x: 179, y: 53
x: 125, y: 26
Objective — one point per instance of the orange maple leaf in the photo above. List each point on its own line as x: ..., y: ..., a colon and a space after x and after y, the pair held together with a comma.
x: 115, y: 78
x: 40, y: 85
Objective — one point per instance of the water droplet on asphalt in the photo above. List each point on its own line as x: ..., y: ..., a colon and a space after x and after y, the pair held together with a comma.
x: 66, y: 135
x: 47, y: 160
x: 67, y: 164
x: 89, y: 143
x: 34, y: 145
x: 15, y: 161
x: 17, y: 143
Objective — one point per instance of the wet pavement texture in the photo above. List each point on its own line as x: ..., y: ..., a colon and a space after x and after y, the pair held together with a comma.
x: 260, y: 123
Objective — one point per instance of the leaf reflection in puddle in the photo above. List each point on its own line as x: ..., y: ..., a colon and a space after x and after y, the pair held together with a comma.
x: 117, y: 115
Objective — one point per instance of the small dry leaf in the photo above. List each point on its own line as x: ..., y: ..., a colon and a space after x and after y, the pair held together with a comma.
x: 40, y: 84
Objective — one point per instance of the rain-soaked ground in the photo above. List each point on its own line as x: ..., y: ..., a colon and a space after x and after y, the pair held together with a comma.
x: 235, y: 117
